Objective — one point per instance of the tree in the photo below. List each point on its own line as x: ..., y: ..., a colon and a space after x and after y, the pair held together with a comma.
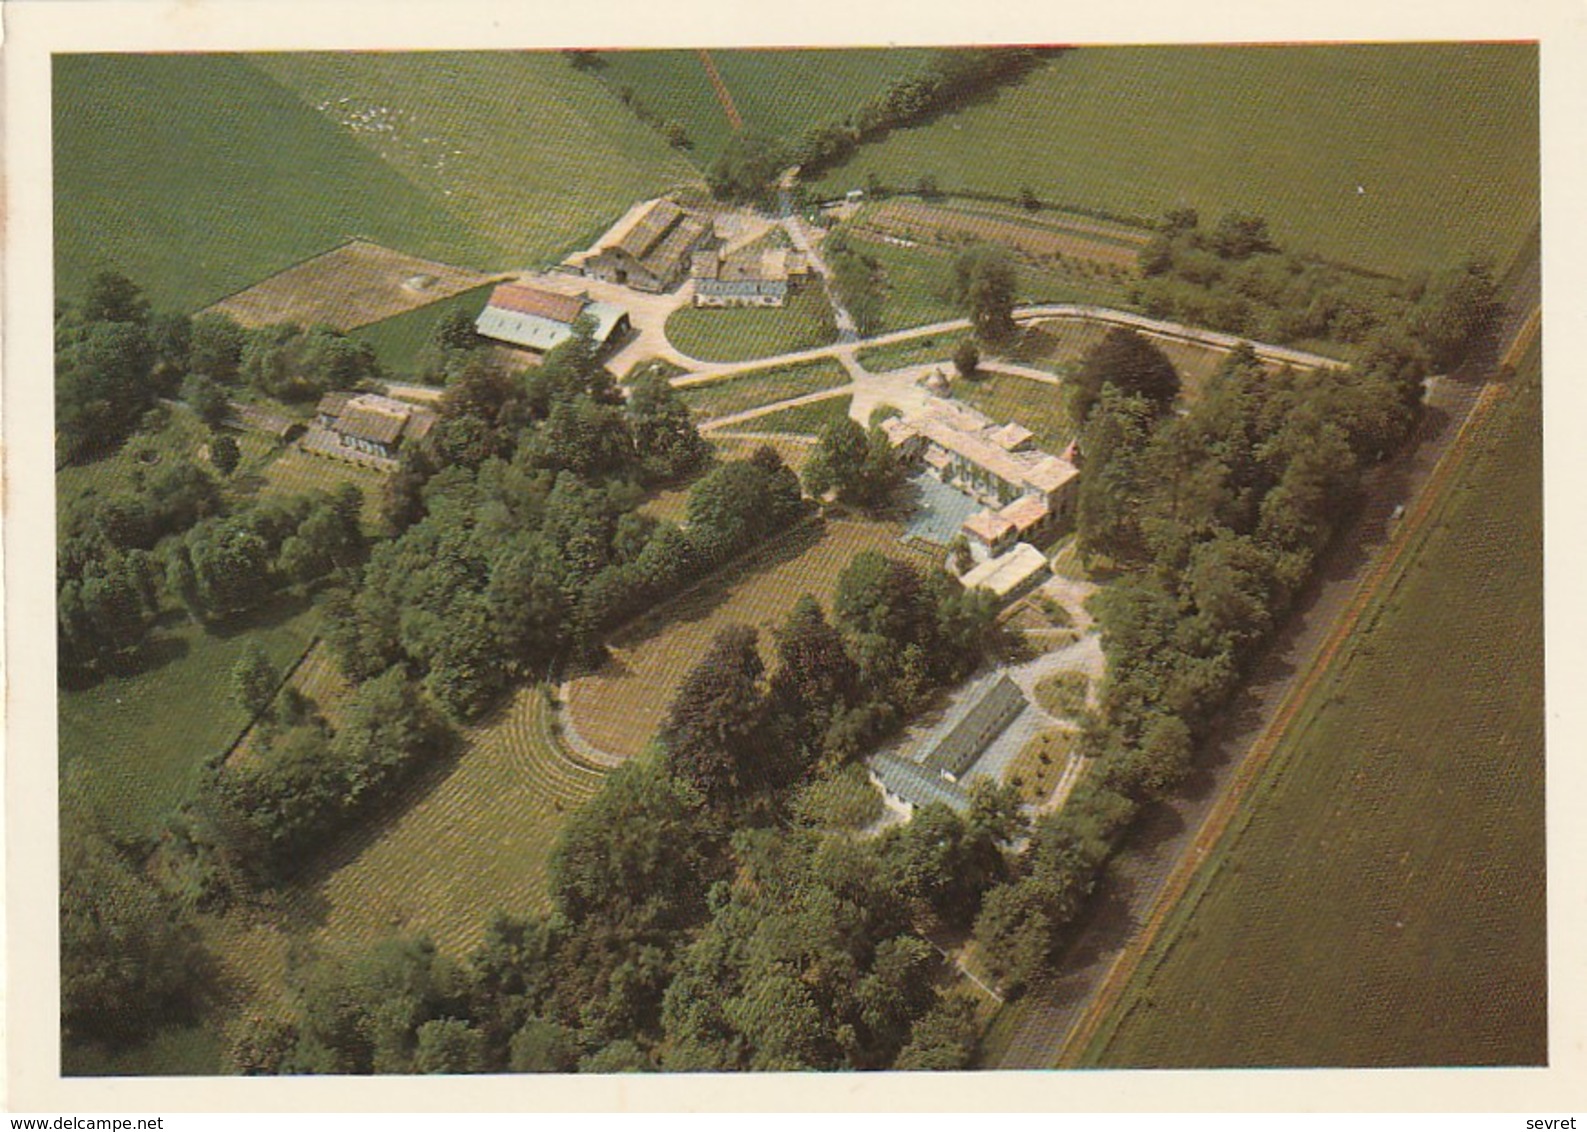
x: 1460, y: 313
x: 984, y: 285
x: 455, y: 331
x: 710, y: 732
x: 102, y: 386
x: 747, y: 169
x: 966, y: 358
x: 112, y: 297
x: 1129, y: 362
x: 669, y: 445
x: 254, y: 679
x: 543, y: 1047
x: 216, y: 347
x: 944, y: 1038
x: 207, y: 399
x: 1240, y: 236
x: 130, y: 959
x: 447, y: 1045
x: 224, y: 453
x: 1015, y: 932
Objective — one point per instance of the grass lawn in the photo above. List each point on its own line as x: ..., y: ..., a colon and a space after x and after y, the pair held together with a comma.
x: 1035, y: 770
x: 1064, y: 693
x: 764, y: 387
x: 794, y: 453
x: 1442, y: 138
x: 846, y: 800
x: 1034, y: 404
x: 140, y: 740
x: 915, y: 352
x: 399, y: 341
x: 777, y: 92
x: 295, y: 472
x: 738, y: 334
x: 801, y: 420
x: 181, y: 437
x: 620, y: 707
x: 1384, y: 904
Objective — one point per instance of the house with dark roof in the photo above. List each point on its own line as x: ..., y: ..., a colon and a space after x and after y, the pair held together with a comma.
x: 991, y: 710
x: 366, y: 424
x: 650, y: 249
x: 534, y: 319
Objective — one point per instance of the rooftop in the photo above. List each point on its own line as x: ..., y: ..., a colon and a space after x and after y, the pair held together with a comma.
x: 520, y: 299
x: 1009, y: 572
x: 988, y: 526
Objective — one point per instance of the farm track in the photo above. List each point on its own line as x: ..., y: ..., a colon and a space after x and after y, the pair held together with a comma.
x: 1165, y: 857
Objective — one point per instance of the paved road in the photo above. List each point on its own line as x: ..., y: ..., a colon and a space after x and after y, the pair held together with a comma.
x: 1171, y: 842
x: 702, y: 372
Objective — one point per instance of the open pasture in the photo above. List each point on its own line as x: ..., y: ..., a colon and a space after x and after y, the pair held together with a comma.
x: 1392, y: 157
x: 620, y: 707
x: 738, y: 334
x: 348, y: 287
x: 1384, y: 904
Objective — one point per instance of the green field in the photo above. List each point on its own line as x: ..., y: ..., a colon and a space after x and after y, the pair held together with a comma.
x: 916, y: 351
x: 805, y: 420
x: 1034, y: 404
x: 739, y: 334
x: 1385, y: 903
x: 400, y: 341
x: 764, y: 387
x: 781, y: 93
x: 1442, y: 138
x: 197, y: 175
x: 141, y: 740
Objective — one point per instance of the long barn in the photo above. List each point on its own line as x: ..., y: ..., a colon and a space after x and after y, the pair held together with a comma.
x: 539, y: 320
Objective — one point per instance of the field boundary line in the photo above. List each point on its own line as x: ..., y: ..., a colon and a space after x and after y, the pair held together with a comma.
x: 723, y: 95
x: 253, y: 720
x: 1182, y: 880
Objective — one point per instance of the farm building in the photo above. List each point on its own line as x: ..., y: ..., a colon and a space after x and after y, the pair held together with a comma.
x: 1009, y: 574
x: 990, y: 711
x: 252, y: 418
x: 367, y: 423
x: 542, y: 320
x: 649, y: 249
x: 909, y: 782
x: 755, y: 278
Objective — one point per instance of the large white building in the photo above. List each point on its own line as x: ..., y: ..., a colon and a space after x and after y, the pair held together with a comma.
x: 541, y: 320
x: 1027, y: 493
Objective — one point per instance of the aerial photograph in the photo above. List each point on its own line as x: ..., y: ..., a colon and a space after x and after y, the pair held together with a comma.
x: 592, y: 561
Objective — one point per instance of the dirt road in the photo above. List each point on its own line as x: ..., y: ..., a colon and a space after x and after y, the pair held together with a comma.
x: 1172, y: 842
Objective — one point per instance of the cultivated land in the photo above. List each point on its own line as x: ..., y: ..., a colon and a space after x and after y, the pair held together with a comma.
x: 351, y: 286
x: 776, y: 92
x: 1385, y: 903
x: 1287, y: 132
x: 764, y: 387
x: 286, y: 155
x: 620, y: 707
x: 465, y: 840
x: 736, y: 334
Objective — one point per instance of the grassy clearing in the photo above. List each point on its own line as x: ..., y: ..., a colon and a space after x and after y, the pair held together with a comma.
x: 776, y: 92
x: 1384, y: 904
x: 917, y: 285
x: 140, y: 740
x: 803, y: 420
x: 197, y: 175
x: 295, y: 472
x: 1064, y: 693
x: 915, y: 352
x: 1034, y: 404
x: 739, y: 334
x: 1443, y: 138
x: 399, y: 341
x: 181, y: 436
x: 620, y: 707
x: 1035, y: 770
x: 846, y: 800
x: 571, y: 162
x: 764, y: 387
x: 794, y: 453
